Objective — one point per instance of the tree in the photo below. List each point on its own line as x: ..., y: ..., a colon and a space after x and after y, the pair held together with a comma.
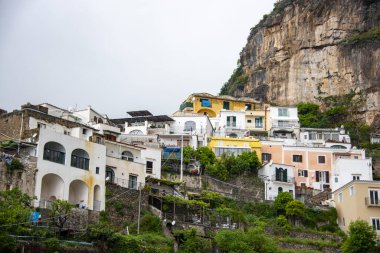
x: 361, y: 238
x: 282, y: 199
x: 15, y: 210
x: 205, y: 156
x: 295, y: 210
x: 252, y: 161
x: 189, y: 242
x: 60, y: 210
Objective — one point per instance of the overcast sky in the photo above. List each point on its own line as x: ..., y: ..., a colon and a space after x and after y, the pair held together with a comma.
x: 120, y: 55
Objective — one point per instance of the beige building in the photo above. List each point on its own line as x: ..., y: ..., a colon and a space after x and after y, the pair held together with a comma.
x: 358, y: 200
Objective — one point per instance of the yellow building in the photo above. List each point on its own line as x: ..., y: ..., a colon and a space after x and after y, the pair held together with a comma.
x: 358, y: 200
x: 220, y: 145
x: 204, y: 103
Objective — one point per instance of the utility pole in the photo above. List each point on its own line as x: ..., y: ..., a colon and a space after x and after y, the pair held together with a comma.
x: 181, y: 175
x: 138, y: 217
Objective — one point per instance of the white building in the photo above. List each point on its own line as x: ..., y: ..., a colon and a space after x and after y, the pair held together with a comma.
x: 277, y: 178
x: 325, y: 137
x: 284, y: 122
x: 347, y: 169
x: 70, y: 168
x: 231, y: 124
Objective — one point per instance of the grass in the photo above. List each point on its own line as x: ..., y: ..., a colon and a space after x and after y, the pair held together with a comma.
x: 372, y: 35
x: 320, y: 244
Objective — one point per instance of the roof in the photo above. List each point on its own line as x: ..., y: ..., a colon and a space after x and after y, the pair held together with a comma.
x: 125, y: 144
x: 320, y: 129
x: 159, y: 118
x: 140, y: 113
x: 356, y: 182
x: 225, y: 97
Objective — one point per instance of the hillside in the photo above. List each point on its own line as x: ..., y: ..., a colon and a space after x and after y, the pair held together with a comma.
x: 305, y: 50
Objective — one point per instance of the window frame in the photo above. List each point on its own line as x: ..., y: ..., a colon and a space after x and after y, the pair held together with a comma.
x: 324, y: 159
x: 149, y: 169
x: 296, y: 155
x: 283, y: 112
x: 377, y: 220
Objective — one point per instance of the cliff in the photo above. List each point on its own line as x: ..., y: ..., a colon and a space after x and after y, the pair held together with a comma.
x: 309, y: 49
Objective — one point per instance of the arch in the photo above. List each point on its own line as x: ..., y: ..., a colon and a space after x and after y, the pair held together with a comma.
x: 52, y: 188
x: 95, y: 119
x: 190, y: 125
x: 100, y: 121
x: 78, y: 194
x: 232, y: 135
x: 280, y: 190
x: 54, y: 152
x: 97, y: 198
x: 338, y: 147
x: 208, y: 112
x: 136, y: 132
x: 110, y: 174
x: 80, y: 159
x: 127, y: 155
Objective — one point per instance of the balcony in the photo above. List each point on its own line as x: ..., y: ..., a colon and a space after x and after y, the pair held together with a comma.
x: 186, y: 105
x: 282, y: 179
x: 285, y: 124
x: 374, y: 202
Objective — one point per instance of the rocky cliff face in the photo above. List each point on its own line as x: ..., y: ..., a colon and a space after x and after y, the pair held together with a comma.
x: 296, y: 54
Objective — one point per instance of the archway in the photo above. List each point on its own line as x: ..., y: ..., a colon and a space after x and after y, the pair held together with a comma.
x: 136, y: 132
x: 54, y: 152
x: 52, y: 187
x: 78, y: 194
x: 80, y: 159
x: 127, y: 155
x: 97, y: 198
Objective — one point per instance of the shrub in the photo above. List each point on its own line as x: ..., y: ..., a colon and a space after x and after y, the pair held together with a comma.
x: 361, y: 238
x: 282, y: 199
x: 52, y: 244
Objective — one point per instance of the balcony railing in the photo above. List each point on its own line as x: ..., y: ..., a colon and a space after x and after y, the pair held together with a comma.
x: 285, y: 124
x: 54, y: 156
x: 374, y: 202
x: 126, y: 183
x: 185, y: 105
x: 283, y: 179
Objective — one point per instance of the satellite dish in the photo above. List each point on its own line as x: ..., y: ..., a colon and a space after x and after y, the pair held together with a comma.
x: 173, y: 222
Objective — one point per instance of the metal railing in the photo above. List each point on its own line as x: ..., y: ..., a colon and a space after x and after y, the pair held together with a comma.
x: 283, y: 179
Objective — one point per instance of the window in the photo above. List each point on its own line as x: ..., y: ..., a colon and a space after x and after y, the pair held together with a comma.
x: 336, y: 180
x: 322, y: 176
x: 283, y: 112
x: 355, y: 177
x: 376, y: 223
x: 297, y: 158
x: 97, y: 170
x: 190, y: 126
x: 280, y: 190
x: 149, y: 167
x: 132, y: 184
x: 259, y: 122
x: 249, y: 121
x: 312, y: 136
x: 340, y: 197
x: 231, y: 121
x: 54, y: 152
x: 321, y: 159
x: 230, y: 150
x: 356, y: 157
x: 110, y: 174
x: 98, y: 140
x: 248, y: 107
x: 226, y: 105
x: 303, y: 173
x: 352, y: 191
x: 126, y: 155
x: 80, y: 159
x: 84, y: 131
x: 281, y: 175
x: 41, y: 125
x: 205, y: 103
x: 266, y: 157
x: 374, y: 197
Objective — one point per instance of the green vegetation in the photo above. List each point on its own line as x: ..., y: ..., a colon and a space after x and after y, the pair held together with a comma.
x: 229, y: 167
x: 189, y: 242
x: 372, y: 35
x: 15, y: 165
x: 237, y: 81
x: 295, y: 210
x: 361, y: 238
x: 281, y: 201
x: 320, y: 244
x: 343, y: 110
x: 60, y: 211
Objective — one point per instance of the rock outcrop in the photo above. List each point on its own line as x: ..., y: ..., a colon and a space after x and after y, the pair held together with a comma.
x: 302, y: 51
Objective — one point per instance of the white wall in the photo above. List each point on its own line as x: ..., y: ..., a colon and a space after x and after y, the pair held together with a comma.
x: 240, y: 119
x: 97, y: 156
x: 268, y: 173
x: 154, y: 155
x: 292, y: 113
x: 345, y: 169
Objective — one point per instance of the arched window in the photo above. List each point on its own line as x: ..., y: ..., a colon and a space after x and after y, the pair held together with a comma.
x: 190, y: 126
x: 280, y: 190
x: 338, y: 147
x: 80, y: 159
x: 110, y: 175
x: 233, y: 135
x: 100, y: 121
x: 95, y: 119
x: 126, y: 155
x: 136, y: 132
x: 54, y: 152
